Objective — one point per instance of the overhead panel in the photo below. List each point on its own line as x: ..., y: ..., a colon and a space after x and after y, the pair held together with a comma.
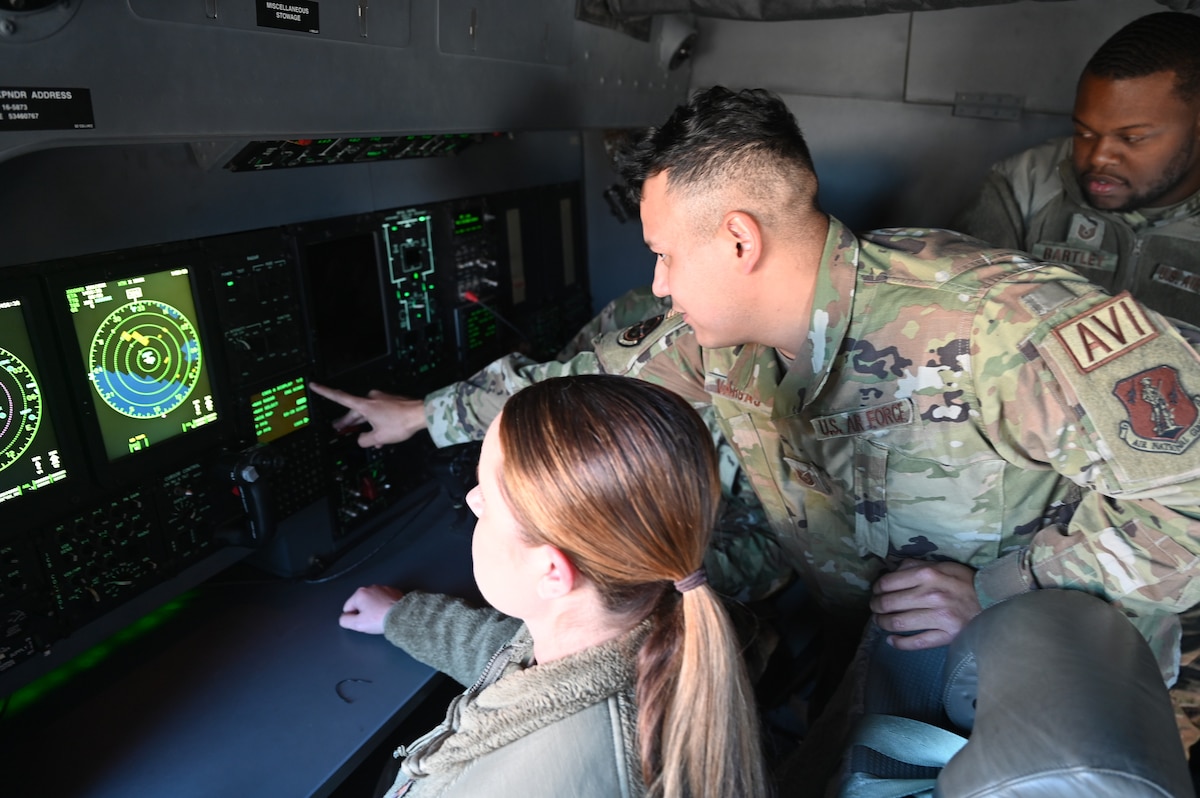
x: 29, y: 20
x: 540, y: 34
x: 385, y: 24
x: 1031, y: 51
x: 862, y: 58
x: 209, y: 71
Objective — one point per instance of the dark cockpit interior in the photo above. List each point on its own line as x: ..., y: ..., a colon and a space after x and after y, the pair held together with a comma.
x: 206, y: 206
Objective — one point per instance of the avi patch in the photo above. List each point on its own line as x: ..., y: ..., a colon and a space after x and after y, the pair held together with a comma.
x: 1162, y: 415
x: 632, y: 336
x: 1105, y: 332
x: 1129, y: 391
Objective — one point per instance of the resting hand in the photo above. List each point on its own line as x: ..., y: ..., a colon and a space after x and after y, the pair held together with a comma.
x: 364, y: 610
x: 392, y: 419
x: 933, y: 599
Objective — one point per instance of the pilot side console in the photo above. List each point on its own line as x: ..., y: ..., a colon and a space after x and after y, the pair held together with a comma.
x: 155, y: 419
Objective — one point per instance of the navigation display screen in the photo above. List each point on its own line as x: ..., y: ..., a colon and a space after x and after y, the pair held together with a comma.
x: 143, y: 358
x: 29, y: 456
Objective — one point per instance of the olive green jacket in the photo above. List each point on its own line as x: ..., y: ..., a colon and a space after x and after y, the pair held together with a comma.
x: 1032, y: 201
x: 567, y: 727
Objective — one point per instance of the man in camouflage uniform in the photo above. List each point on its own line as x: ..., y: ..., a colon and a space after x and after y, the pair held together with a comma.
x: 931, y: 428
x: 744, y: 561
x: 1119, y: 200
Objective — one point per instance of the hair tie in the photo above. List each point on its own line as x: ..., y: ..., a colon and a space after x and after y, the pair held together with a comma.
x: 692, y: 580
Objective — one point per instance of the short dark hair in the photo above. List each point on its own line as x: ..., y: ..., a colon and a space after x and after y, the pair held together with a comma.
x: 715, y: 127
x: 1161, y: 42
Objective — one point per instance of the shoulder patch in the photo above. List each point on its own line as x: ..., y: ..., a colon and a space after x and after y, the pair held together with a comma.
x: 1105, y: 332
x: 1162, y: 415
x: 1133, y: 388
x: 632, y: 336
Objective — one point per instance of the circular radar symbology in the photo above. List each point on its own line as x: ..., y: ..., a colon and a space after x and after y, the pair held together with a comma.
x: 145, y: 359
x: 20, y: 408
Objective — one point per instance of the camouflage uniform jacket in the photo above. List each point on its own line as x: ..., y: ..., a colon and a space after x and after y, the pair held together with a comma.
x: 1033, y: 202
x: 969, y: 405
x: 962, y: 404
x: 744, y: 560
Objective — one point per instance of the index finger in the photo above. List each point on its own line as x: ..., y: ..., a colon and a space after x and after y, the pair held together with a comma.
x: 347, y: 400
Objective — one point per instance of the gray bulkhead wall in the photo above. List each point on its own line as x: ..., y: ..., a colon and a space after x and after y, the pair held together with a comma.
x: 876, y: 95
x: 175, y: 92
x: 176, y: 89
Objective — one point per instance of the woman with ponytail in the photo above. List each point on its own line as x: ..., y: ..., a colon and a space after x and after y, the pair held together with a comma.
x: 605, y: 665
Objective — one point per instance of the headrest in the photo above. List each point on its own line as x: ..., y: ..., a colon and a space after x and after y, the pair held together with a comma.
x: 1062, y: 697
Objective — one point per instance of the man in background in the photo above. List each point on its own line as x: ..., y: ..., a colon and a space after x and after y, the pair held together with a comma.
x: 1120, y: 199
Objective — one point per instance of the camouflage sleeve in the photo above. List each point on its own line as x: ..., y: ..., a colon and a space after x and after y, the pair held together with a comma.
x: 626, y: 310
x: 745, y: 561
x: 662, y: 350
x: 993, y: 215
x: 1105, y: 393
x: 462, y: 411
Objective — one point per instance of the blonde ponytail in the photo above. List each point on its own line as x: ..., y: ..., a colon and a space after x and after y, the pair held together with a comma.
x: 621, y: 476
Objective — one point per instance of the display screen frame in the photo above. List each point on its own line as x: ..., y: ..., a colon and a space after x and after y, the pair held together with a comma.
x: 339, y: 360
x: 34, y: 507
x: 113, y: 463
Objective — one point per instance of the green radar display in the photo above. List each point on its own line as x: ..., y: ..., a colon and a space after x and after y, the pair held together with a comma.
x: 144, y: 360
x: 29, y: 456
x: 20, y: 408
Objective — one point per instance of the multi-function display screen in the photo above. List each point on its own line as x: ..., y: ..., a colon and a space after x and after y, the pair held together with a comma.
x: 29, y: 456
x: 143, y: 357
x: 348, y: 308
x: 279, y: 410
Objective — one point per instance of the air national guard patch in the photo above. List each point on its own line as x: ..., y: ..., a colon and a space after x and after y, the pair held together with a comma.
x: 1162, y: 415
x: 1133, y: 384
x: 632, y: 336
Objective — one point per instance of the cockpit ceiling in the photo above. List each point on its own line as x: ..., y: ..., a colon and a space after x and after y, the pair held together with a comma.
x: 807, y: 9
